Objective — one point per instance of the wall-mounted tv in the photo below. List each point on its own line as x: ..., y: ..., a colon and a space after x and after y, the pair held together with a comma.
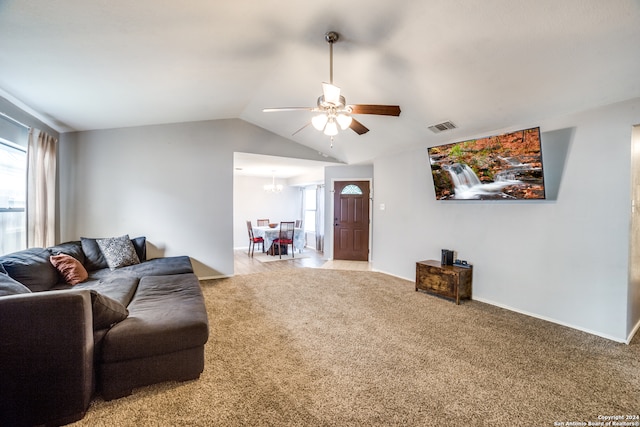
x: 501, y: 167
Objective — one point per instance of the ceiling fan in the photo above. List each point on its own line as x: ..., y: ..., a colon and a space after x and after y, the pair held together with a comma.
x: 332, y: 108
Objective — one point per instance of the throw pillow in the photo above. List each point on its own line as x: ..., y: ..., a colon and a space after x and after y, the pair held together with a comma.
x: 118, y: 251
x: 94, y: 260
x: 8, y: 286
x: 140, y: 244
x: 32, y: 268
x: 70, y: 268
x: 106, y: 311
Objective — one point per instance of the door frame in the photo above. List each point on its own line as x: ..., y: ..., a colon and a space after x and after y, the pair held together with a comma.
x: 329, y: 213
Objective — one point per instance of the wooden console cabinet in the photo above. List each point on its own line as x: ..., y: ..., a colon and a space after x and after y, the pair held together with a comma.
x: 448, y: 281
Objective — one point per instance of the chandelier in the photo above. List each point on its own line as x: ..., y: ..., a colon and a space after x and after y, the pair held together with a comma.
x: 273, y: 187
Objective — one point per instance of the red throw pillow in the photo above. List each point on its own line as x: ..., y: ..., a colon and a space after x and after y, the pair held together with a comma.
x: 70, y: 268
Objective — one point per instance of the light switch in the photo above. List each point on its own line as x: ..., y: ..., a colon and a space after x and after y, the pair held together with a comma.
x: 382, y: 206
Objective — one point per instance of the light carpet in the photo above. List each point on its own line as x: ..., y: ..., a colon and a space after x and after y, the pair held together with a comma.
x: 313, y: 347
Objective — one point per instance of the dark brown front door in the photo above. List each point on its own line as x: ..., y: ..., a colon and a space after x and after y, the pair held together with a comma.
x: 351, y: 220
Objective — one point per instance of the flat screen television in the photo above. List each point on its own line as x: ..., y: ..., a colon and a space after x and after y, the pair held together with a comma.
x: 501, y: 167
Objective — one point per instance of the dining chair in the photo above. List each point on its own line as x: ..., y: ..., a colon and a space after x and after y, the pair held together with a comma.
x: 263, y: 222
x: 285, y: 237
x: 253, y: 240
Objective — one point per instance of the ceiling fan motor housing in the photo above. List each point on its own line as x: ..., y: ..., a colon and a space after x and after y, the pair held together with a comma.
x: 341, y: 105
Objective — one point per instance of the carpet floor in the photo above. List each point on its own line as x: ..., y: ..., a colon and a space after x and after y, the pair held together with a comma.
x: 312, y: 347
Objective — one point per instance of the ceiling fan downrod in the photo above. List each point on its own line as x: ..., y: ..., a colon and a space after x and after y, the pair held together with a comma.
x: 331, y: 37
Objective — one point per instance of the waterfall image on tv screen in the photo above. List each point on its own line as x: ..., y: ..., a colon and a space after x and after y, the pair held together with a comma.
x: 501, y: 167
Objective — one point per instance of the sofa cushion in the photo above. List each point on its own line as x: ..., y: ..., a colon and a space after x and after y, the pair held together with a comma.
x: 151, y: 267
x: 32, y: 268
x: 70, y: 268
x: 118, y: 251
x: 106, y: 311
x: 167, y: 315
x: 140, y: 245
x: 95, y: 260
x: 8, y: 286
x: 161, y: 266
x: 120, y: 288
x: 70, y: 248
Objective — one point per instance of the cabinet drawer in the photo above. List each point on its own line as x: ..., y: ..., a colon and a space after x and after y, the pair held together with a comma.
x: 433, y: 279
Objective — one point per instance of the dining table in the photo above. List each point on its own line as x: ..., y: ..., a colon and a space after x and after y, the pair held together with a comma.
x: 270, y: 234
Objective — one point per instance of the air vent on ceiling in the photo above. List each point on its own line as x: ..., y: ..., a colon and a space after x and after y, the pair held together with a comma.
x: 441, y: 127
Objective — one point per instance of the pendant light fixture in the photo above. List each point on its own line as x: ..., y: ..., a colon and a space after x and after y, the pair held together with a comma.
x: 273, y: 187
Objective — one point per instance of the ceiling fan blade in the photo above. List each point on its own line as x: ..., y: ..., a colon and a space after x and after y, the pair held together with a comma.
x: 272, y: 110
x: 382, y: 110
x: 301, y: 129
x: 358, y: 127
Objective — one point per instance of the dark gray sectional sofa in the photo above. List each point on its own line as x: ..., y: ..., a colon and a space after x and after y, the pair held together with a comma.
x: 120, y: 328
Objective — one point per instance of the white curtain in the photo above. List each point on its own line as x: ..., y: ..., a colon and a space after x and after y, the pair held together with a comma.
x: 320, y: 218
x: 303, y: 206
x: 41, y: 189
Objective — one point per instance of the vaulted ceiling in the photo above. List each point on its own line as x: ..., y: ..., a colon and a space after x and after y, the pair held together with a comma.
x: 484, y: 65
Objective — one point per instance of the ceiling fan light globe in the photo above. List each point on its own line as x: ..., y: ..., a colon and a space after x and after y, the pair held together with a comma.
x: 319, y: 121
x: 344, y: 120
x: 331, y: 93
x: 331, y: 129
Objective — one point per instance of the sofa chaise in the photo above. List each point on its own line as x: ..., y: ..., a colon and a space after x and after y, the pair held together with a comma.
x: 93, y: 317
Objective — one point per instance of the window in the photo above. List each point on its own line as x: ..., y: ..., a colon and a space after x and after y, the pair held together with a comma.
x: 351, y: 189
x: 13, y: 196
x: 310, y: 209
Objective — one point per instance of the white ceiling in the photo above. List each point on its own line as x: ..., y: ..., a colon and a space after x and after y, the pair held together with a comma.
x: 485, y: 65
x: 257, y: 165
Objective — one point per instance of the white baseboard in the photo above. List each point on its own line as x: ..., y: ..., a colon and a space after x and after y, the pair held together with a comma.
x: 221, y: 276
x: 633, y: 332
x: 393, y: 275
x: 537, y: 316
x: 548, y: 319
